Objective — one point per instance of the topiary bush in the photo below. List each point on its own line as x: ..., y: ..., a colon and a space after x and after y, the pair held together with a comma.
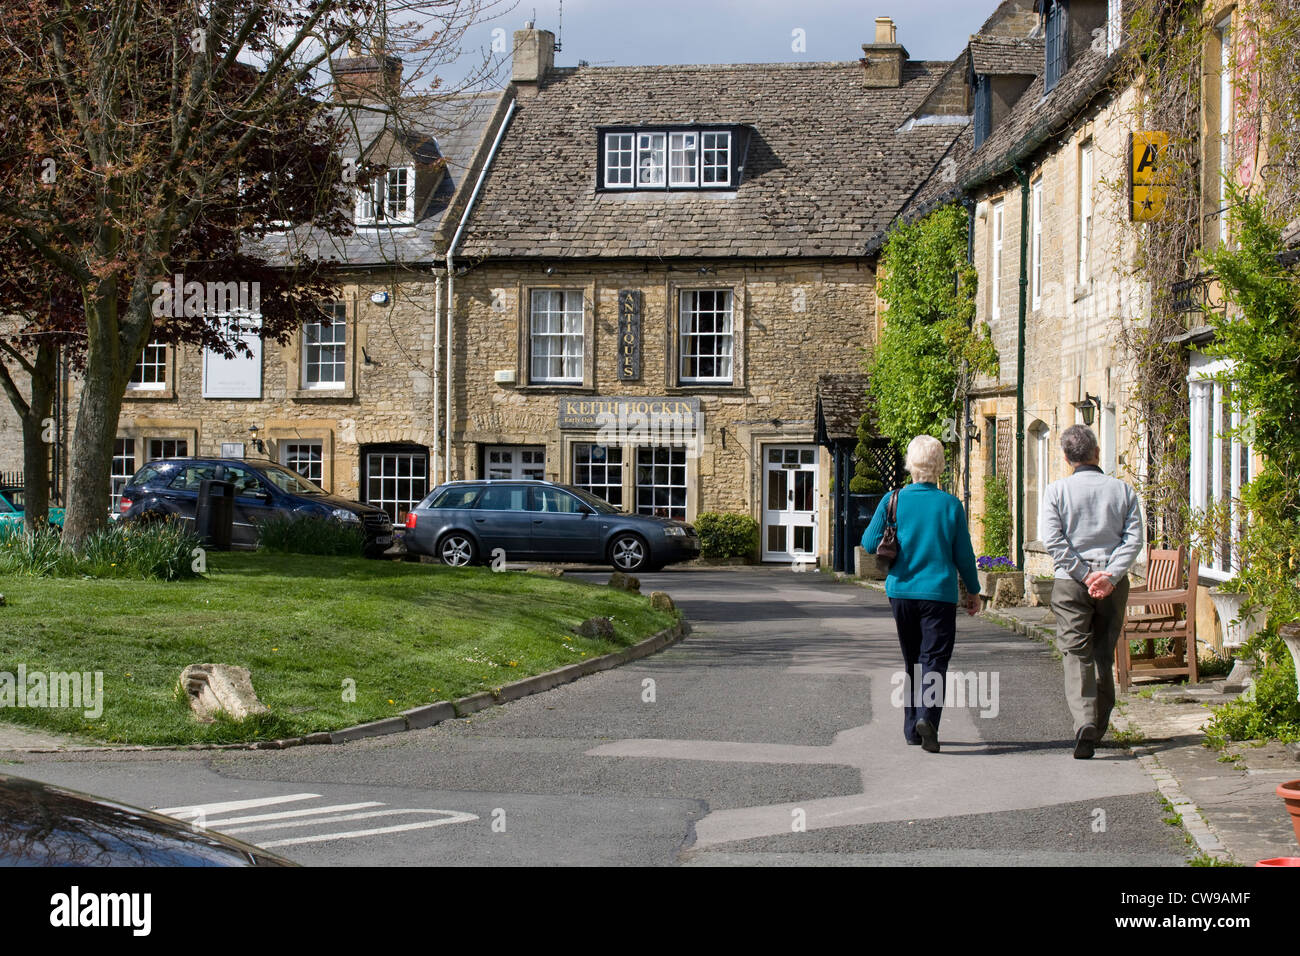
x: 727, y: 535
x: 866, y: 477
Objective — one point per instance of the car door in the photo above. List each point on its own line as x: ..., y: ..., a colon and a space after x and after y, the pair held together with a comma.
x: 564, y: 529
x: 180, y: 496
x: 254, y: 503
x: 501, y: 519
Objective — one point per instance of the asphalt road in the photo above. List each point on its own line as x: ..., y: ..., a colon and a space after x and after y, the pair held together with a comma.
x: 767, y: 737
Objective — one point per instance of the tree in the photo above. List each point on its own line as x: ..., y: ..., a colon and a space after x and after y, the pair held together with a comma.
x: 144, y: 140
x: 928, y: 348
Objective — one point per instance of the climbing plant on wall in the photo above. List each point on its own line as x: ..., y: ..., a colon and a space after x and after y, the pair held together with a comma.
x: 928, y: 345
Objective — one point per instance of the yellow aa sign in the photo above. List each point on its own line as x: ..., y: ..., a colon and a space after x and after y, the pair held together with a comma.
x: 1150, y: 175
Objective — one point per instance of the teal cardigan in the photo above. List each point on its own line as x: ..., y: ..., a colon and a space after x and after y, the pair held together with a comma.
x: 933, y: 545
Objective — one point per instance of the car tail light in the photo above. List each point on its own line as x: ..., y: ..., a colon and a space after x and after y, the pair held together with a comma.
x: 123, y: 505
x: 410, y: 520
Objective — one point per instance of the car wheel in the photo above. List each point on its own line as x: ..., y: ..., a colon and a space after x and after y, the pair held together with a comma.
x: 629, y: 553
x: 456, y: 549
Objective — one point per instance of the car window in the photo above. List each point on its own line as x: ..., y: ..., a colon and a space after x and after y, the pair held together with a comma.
x: 292, y: 482
x: 504, y: 498
x: 555, y: 501
x: 150, y: 474
x: 455, y: 498
x: 11, y: 500
x: 246, y: 482
x: 188, y: 477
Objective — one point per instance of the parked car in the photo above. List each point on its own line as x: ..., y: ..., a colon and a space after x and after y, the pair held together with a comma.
x: 42, y: 825
x: 465, y: 522
x: 11, y: 509
x: 170, y: 487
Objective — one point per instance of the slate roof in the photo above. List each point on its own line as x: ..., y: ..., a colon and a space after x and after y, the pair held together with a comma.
x: 827, y: 166
x: 841, y: 402
x: 1007, y: 56
x: 1037, y: 117
x: 452, y: 128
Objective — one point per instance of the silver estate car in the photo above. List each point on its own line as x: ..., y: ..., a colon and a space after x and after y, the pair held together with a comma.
x: 468, y: 522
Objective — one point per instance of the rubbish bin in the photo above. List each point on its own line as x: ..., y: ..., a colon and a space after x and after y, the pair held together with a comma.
x: 214, y: 519
x: 862, y: 508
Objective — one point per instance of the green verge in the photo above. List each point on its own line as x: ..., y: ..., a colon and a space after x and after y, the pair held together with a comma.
x: 407, y: 634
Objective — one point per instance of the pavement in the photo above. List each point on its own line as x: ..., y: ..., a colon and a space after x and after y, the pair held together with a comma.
x: 770, y: 736
x: 1226, y: 797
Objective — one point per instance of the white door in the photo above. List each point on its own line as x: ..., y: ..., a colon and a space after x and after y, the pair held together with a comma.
x: 789, y: 502
x: 514, y: 462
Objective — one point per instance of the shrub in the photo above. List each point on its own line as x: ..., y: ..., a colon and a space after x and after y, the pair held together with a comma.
x: 727, y: 535
x: 997, y: 516
x: 1273, y: 712
x: 308, y: 534
x: 866, y: 477
x: 162, y: 550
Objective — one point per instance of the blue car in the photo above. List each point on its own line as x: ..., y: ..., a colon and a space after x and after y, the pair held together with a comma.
x: 468, y: 522
x: 170, y: 487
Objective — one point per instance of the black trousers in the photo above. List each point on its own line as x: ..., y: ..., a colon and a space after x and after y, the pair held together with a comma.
x: 927, y: 631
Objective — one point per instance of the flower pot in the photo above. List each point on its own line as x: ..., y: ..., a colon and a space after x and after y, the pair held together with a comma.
x: 1043, y: 591
x: 1236, y: 632
x: 1290, y: 634
x: 1290, y: 794
x: 1280, y: 861
x: 989, y: 581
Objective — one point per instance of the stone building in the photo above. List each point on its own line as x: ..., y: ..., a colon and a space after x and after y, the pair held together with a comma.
x: 661, y: 264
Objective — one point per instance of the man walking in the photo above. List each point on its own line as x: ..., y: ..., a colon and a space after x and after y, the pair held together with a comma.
x: 1092, y: 525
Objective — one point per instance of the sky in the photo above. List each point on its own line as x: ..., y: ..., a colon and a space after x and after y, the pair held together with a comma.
x: 624, y: 33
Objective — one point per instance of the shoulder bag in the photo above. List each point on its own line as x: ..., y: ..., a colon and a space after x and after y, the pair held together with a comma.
x: 887, y: 550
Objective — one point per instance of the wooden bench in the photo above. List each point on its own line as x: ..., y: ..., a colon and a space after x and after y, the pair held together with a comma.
x: 1167, y: 611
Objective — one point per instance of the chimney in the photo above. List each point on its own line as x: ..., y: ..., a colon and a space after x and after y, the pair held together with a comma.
x: 883, y: 60
x: 360, y: 76
x: 534, y: 55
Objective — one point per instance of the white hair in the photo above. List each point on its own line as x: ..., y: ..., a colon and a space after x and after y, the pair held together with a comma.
x: 925, y: 458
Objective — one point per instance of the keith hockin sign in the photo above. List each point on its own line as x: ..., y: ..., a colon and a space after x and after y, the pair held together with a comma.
x: 635, y: 421
x: 629, y: 335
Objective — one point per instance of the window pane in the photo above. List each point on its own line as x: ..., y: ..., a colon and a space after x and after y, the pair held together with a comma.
x: 661, y: 482
x: 598, y: 469
x: 706, y: 335
x: 716, y: 165
x: 397, y: 481
x: 682, y: 159
x: 650, y: 159
x: 618, y: 159
x: 150, y: 372
x: 556, y: 336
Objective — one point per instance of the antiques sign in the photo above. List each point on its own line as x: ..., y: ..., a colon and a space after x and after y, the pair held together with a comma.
x: 631, y: 421
x: 629, y: 335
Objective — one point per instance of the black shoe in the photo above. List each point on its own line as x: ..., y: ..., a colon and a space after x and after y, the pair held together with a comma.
x: 1085, y: 742
x: 913, y: 743
x: 929, y: 736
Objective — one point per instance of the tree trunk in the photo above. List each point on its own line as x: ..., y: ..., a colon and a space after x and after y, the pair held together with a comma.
x: 38, y: 434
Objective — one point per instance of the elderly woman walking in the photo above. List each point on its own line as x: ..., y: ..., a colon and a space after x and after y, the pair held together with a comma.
x: 933, y: 548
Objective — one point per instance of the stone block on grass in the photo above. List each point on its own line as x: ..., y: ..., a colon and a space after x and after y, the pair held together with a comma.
x: 220, y: 687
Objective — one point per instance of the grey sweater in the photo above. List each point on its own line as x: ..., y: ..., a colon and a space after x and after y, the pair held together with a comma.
x: 1092, y: 522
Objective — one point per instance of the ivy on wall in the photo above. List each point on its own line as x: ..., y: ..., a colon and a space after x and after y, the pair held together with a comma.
x: 928, y: 349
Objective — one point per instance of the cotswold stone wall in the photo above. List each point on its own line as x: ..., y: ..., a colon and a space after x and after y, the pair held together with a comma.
x: 1073, y: 328
x: 792, y: 323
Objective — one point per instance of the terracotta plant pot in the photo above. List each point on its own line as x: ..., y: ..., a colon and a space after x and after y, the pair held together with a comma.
x: 1280, y: 861
x: 1290, y: 794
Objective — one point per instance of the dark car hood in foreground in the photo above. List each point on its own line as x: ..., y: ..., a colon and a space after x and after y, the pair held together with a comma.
x: 42, y: 825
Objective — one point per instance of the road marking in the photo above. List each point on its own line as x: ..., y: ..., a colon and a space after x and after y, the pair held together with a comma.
x: 454, y: 816
x: 193, y: 810
x: 289, y: 814
x: 353, y: 834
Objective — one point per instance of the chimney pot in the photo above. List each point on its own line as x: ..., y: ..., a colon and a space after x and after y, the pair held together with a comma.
x: 886, y: 31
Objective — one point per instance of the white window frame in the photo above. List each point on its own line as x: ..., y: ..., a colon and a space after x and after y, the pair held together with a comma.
x: 684, y: 158
x: 651, y: 146
x: 376, y: 203
x: 339, y: 323
x: 1086, y: 209
x: 620, y: 147
x: 689, y: 337
x: 1212, y: 423
x: 1037, y: 260
x: 516, y: 469
x: 721, y: 144
x: 1114, y: 25
x: 154, y: 357
x: 606, y: 462
x: 997, y: 224
x: 121, y: 470
x: 291, y: 456
x: 570, y: 360
x: 401, y: 505
x: 661, y: 456
x: 1227, y: 102
x: 1109, y: 440
x: 156, y: 448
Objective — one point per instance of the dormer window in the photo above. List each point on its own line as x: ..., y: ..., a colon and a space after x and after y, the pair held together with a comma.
x: 388, y: 198
x: 668, y: 159
x: 1057, y: 36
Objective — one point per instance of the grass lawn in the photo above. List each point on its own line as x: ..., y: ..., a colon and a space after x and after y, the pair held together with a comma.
x: 407, y: 634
